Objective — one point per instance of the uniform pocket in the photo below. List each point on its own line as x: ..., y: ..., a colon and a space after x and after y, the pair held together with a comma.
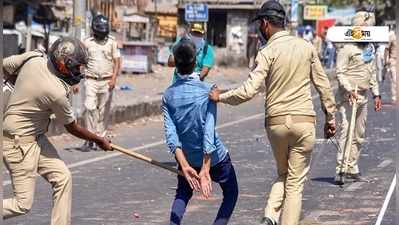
x: 14, y: 154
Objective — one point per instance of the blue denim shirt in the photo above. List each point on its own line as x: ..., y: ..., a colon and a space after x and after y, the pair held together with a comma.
x: 189, y: 121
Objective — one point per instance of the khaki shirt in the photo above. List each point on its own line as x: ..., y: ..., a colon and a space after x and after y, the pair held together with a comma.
x: 37, y: 94
x: 287, y: 66
x: 352, y: 70
x: 101, y: 55
x: 392, y: 49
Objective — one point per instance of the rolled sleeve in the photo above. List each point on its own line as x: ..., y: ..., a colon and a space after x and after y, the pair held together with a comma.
x: 172, y: 139
x: 322, y: 84
x: 209, y: 129
x: 252, y: 85
x: 62, y: 110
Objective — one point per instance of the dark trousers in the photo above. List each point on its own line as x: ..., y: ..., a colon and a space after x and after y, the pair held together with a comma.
x: 222, y: 173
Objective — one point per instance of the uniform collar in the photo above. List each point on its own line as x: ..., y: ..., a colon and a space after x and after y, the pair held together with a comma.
x: 278, y: 35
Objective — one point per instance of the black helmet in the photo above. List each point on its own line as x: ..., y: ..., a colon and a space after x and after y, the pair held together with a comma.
x: 69, y: 55
x: 100, y: 27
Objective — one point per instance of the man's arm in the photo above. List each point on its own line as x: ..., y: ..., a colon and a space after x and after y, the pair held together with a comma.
x: 82, y: 133
x: 322, y: 84
x: 208, y: 147
x: 208, y: 62
x: 204, y: 72
x: 63, y: 112
x: 252, y: 85
x: 171, y: 61
x: 374, y: 87
x: 190, y: 174
x: 172, y: 139
x: 116, y: 61
x: 342, y: 64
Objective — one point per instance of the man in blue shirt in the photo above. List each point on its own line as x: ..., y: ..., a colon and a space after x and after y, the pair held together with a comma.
x: 205, y: 58
x: 189, y: 122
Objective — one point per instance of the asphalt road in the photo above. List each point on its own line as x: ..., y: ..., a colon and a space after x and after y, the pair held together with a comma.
x: 113, y: 189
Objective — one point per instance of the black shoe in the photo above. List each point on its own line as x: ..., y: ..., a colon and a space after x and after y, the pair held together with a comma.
x: 267, y: 221
x: 339, y: 179
x: 356, y: 177
x: 89, y: 145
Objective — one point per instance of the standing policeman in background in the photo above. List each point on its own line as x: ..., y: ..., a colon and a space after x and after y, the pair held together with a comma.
x: 100, y: 77
x: 205, y: 55
x: 41, y: 89
x: 356, y: 66
x: 287, y: 65
x: 390, y: 61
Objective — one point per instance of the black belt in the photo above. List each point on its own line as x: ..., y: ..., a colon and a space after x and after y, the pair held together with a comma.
x: 98, y: 78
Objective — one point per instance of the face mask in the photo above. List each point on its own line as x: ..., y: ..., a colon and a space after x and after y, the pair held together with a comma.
x: 262, y: 36
x: 199, y: 42
x: 368, y: 54
x: 75, y: 73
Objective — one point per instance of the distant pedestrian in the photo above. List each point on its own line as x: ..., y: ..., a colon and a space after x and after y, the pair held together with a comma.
x: 189, y: 121
x: 205, y: 53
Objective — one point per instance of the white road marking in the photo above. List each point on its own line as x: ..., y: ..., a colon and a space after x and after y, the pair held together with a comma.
x: 112, y: 155
x: 386, y: 201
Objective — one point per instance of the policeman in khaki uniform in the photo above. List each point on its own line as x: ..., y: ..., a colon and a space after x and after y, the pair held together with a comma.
x: 287, y: 65
x: 41, y: 89
x: 101, y: 72
x: 355, y: 66
x: 390, y: 62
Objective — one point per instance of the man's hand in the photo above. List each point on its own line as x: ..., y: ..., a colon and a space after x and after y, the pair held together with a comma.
x: 330, y: 129
x: 75, y: 88
x: 104, y: 144
x: 377, y: 103
x: 192, y: 177
x: 214, y: 94
x: 206, y: 184
x: 352, y: 97
x: 111, y: 84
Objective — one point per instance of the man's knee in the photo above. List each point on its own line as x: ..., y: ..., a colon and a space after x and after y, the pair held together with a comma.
x: 63, y: 179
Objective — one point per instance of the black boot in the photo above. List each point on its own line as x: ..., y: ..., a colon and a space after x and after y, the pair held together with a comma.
x: 267, y: 221
x: 339, y: 179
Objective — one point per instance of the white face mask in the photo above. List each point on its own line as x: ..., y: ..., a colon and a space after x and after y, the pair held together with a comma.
x: 199, y: 42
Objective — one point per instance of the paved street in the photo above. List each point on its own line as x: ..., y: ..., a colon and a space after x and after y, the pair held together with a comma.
x: 111, y: 189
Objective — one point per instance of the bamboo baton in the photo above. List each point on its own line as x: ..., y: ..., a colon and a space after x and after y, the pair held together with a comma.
x: 145, y: 159
x: 349, y: 140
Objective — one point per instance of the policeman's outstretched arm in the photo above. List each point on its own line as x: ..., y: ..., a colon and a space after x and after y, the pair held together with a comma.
x: 76, y: 130
x: 251, y: 86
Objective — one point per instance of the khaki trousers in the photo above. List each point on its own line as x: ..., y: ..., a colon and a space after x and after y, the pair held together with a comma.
x: 98, y: 105
x: 392, y: 73
x: 24, y: 160
x: 292, y: 144
x: 345, y: 110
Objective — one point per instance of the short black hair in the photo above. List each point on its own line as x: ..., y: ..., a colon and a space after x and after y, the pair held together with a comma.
x: 184, y: 54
